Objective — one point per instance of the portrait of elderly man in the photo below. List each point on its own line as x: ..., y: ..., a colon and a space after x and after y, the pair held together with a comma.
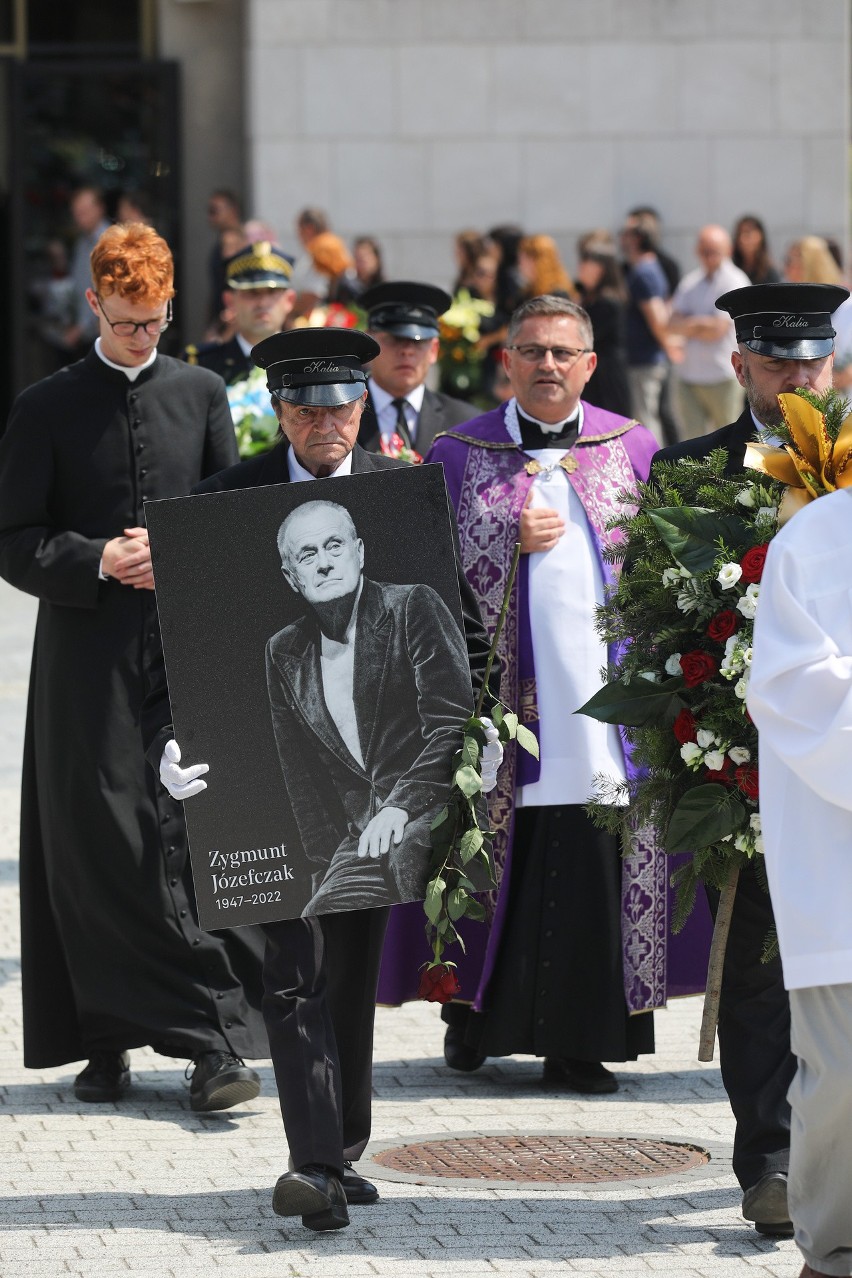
x: 367, y: 692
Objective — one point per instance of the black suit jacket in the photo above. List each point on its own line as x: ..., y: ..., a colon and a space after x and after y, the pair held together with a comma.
x: 225, y: 358
x: 271, y: 468
x: 733, y: 438
x: 411, y: 692
x: 439, y: 412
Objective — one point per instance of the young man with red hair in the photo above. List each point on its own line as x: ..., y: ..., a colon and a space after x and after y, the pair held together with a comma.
x: 112, y: 955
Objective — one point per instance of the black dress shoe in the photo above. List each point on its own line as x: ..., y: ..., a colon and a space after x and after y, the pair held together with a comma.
x: 105, y: 1078
x: 220, y: 1080
x: 589, y: 1077
x: 766, y: 1205
x: 314, y: 1193
x: 359, y: 1192
x: 458, y: 1054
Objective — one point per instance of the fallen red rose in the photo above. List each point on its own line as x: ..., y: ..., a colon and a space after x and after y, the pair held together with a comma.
x: 697, y: 667
x: 723, y: 625
x: 752, y: 563
x: 684, y: 727
x: 747, y: 780
x: 438, y: 983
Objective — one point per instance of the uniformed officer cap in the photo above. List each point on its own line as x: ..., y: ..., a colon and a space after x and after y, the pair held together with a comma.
x: 261, y: 265
x: 405, y: 309
x: 785, y: 321
x: 316, y: 366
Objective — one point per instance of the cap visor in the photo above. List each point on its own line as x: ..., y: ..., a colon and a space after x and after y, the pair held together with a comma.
x: 278, y: 282
x: 329, y: 395
x: 416, y: 332
x: 813, y: 348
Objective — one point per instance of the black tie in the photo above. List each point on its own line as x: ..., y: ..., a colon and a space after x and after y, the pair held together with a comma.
x: 401, y: 424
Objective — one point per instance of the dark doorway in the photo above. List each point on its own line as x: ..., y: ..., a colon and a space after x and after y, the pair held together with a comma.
x: 108, y: 124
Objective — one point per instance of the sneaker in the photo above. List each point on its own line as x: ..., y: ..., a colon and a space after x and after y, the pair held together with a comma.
x: 105, y: 1078
x: 220, y: 1080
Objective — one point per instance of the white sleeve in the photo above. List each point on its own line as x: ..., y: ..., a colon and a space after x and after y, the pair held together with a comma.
x: 800, y: 689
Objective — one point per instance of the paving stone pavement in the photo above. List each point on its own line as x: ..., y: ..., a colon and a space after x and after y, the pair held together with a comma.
x: 147, y: 1188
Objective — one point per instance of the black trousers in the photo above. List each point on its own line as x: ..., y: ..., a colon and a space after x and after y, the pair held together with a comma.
x: 320, y: 976
x: 754, y: 1037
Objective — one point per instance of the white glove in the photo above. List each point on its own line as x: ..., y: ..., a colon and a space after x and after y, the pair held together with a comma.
x: 181, y: 783
x: 492, y: 755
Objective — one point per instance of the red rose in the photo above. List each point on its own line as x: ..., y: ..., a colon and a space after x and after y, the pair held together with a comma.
x: 752, y: 563
x: 746, y: 775
x: 684, y: 727
x: 723, y: 625
x: 438, y: 983
x: 697, y: 667
x: 724, y: 775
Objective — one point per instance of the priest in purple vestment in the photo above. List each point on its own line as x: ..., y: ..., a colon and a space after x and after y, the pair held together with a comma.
x: 576, y: 954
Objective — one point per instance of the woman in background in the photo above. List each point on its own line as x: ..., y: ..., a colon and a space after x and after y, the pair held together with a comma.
x: 601, y: 290
x: 541, y: 268
x: 751, y: 251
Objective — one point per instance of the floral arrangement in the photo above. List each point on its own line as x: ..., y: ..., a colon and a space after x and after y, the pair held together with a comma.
x: 460, y: 842
x: 460, y: 359
x: 255, y: 423
x: 395, y: 446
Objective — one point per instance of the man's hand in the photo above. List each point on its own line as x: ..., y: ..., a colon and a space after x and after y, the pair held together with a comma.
x: 182, y: 783
x: 128, y: 559
x: 492, y: 755
x: 386, y: 827
x: 541, y: 528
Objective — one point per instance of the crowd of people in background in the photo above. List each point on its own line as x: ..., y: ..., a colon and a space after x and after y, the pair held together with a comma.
x: 663, y: 350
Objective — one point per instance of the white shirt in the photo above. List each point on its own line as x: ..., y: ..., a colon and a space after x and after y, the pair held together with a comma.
x: 386, y: 409
x: 800, y: 697
x: 337, y: 663
x: 565, y: 585
x: 706, y: 363
x: 298, y: 473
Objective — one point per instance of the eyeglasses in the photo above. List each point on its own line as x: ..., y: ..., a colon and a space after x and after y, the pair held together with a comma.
x: 561, y: 354
x: 127, y: 328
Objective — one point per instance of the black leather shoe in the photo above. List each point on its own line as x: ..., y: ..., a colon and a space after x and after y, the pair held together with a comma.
x: 589, y: 1077
x: 458, y: 1054
x: 359, y: 1192
x: 314, y: 1193
x: 105, y: 1078
x: 220, y: 1080
x: 766, y: 1205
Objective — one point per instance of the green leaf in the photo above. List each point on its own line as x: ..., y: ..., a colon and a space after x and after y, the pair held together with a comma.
x: 496, y: 714
x: 527, y: 740
x: 510, y: 723
x: 471, y: 842
x: 692, y: 534
x: 468, y: 780
x: 457, y: 903
x: 636, y: 703
x: 434, y: 899
x: 475, y: 910
x: 440, y: 818
x: 703, y: 816
x: 470, y: 751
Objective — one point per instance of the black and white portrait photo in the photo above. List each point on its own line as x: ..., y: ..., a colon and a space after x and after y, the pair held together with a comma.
x: 316, y: 659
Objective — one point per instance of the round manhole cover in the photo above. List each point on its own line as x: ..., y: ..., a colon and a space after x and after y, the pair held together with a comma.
x: 543, y: 1159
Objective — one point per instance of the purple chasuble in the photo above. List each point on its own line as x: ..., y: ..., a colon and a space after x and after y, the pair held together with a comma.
x: 488, y: 483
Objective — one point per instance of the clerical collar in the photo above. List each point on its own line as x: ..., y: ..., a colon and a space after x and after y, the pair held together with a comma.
x: 298, y: 473
x: 536, y: 434
x: 130, y: 373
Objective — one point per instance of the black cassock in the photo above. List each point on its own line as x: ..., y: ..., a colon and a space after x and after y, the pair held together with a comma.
x: 112, y: 955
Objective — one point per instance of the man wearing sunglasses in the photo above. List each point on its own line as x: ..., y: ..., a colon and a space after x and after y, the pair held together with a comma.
x: 112, y: 956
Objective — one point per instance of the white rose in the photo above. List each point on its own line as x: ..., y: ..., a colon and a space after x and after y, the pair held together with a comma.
x: 739, y: 754
x: 746, y: 496
x: 673, y: 664
x: 741, y: 688
x: 747, y: 606
x: 746, y: 655
x: 729, y: 575
x: 715, y: 760
x: 705, y: 738
x: 730, y: 643
x: 755, y: 822
x: 691, y: 753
